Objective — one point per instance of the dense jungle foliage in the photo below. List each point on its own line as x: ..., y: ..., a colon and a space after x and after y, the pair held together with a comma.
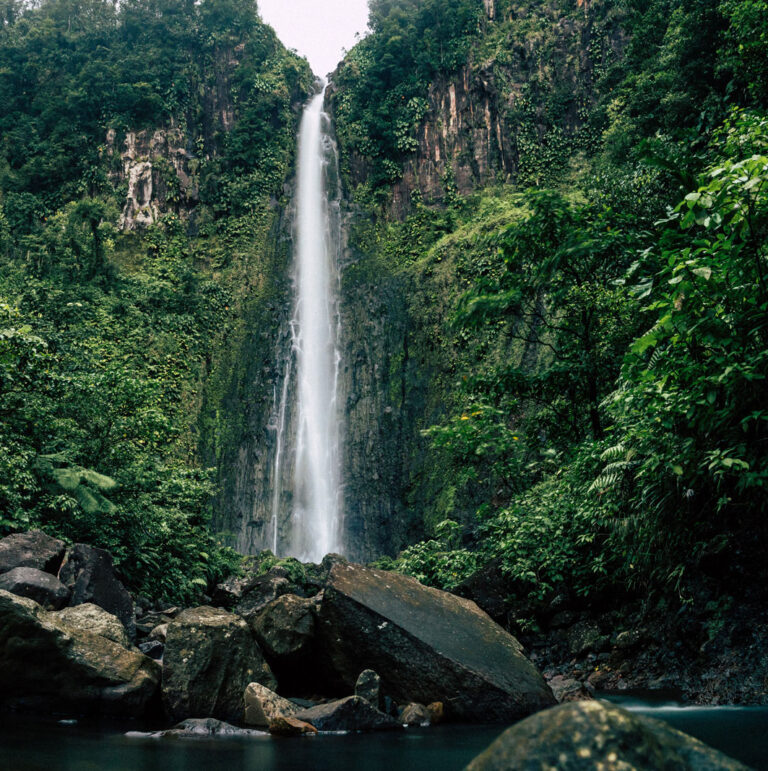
x: 107, y: 338
x: 620, y: 440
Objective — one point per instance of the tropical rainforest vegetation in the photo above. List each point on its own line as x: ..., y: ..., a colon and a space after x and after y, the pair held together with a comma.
x: 106, y: 336
x: 605, y: 412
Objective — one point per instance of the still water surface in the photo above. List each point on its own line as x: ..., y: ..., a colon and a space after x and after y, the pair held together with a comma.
x: 29, y: 745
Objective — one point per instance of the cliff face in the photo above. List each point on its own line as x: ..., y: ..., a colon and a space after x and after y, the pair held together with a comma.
x: 519, y: 111
x: 520, y: 108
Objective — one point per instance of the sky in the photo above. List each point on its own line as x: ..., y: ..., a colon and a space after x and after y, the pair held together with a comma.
x: 319, y: 29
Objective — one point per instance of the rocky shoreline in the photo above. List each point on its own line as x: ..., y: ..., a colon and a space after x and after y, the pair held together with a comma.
x: 293, y: 650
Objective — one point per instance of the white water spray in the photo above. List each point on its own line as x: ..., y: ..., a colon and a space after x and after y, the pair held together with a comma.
x: 316, y: 518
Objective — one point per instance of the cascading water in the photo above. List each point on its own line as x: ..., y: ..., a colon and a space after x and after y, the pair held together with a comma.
x: 316, y: 518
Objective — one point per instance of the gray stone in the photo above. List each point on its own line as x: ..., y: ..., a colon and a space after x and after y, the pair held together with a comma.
x: 427, y: 645
x: 593, y: 734
x: 583, y: 638
x: 91, y: 618
x: 263, y: 705
x: 368, y: 687
x: 260, y: 592
x: 31, y: 550
x: 350, y: 714
x: 53, y: 667
x: 198, y: 728
x: 89, y: 574
x: 36, y: 585
x: 568, y: 689
x: 285, y: 628
x: 210, y: 657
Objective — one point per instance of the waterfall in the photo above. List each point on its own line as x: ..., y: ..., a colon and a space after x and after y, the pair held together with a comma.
x: 316, y: 518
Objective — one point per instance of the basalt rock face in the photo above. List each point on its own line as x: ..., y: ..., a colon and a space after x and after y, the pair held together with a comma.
x: 36, y: 585
x: 50, y: 666
x: 530, y: 80
x: 593, y: 734
x: 427, y: 645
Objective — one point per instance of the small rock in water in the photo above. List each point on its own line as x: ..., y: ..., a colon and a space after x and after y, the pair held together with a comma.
x: 415, y: 714
x: 436, y: 712
x: 368, y: 687
x: 290, y: 726
x: 197, y: 728
x: 350, y: 714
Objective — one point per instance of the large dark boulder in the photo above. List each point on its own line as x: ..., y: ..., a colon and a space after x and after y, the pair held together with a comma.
x: 260, y: 591
x: 351, y: 714
x: 90, y: 575
x: 285, y: 629
x: 427, y: 645
x: 31, y: 550
x: 210, y: 658
x: 43, y: 588
x: 50, y: 666
x: 591, y: 734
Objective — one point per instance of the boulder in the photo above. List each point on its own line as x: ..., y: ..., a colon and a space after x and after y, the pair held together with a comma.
x: 43, y: 588
x: 89, y: 574
x: 31, y: 550
x: 368, y: 687
x: 198, y: 728
x: 159, y: 633
x: 261, y: 591
x: 262, y: 706
x: 285, y: 628
x: 49, y: 666
x: 427, y: 646
x: 210, y: 658
x: 91, y: 618
x: 290, y: 726
x: 415, y: 714
x: 436, y: 712
x: 593, y: 734
x: 350, y: 714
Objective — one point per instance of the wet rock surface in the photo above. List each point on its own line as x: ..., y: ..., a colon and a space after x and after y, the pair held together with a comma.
x: 210, y: 658
x: 41, y: 587
x: 33, y: 549
x: 199, y: 728
x: 592, y: 735
x: 427, y: 645
x: 50, y: 666
x: 349, y: 714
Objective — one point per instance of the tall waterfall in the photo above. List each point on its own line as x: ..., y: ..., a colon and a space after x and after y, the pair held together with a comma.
x: 315, y: 522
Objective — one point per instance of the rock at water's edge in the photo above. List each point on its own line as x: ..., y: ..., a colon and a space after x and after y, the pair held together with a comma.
x: 593, y: 734
x: 427, y: 645
x: 368, y: 687
x: 52, y: 667
x: 197, y: 728
x: 350, y: 714
x: 262, y: 706
x: 210, y: 658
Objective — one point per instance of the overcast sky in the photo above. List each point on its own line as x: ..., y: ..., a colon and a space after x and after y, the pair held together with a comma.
x: 318, y: 29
